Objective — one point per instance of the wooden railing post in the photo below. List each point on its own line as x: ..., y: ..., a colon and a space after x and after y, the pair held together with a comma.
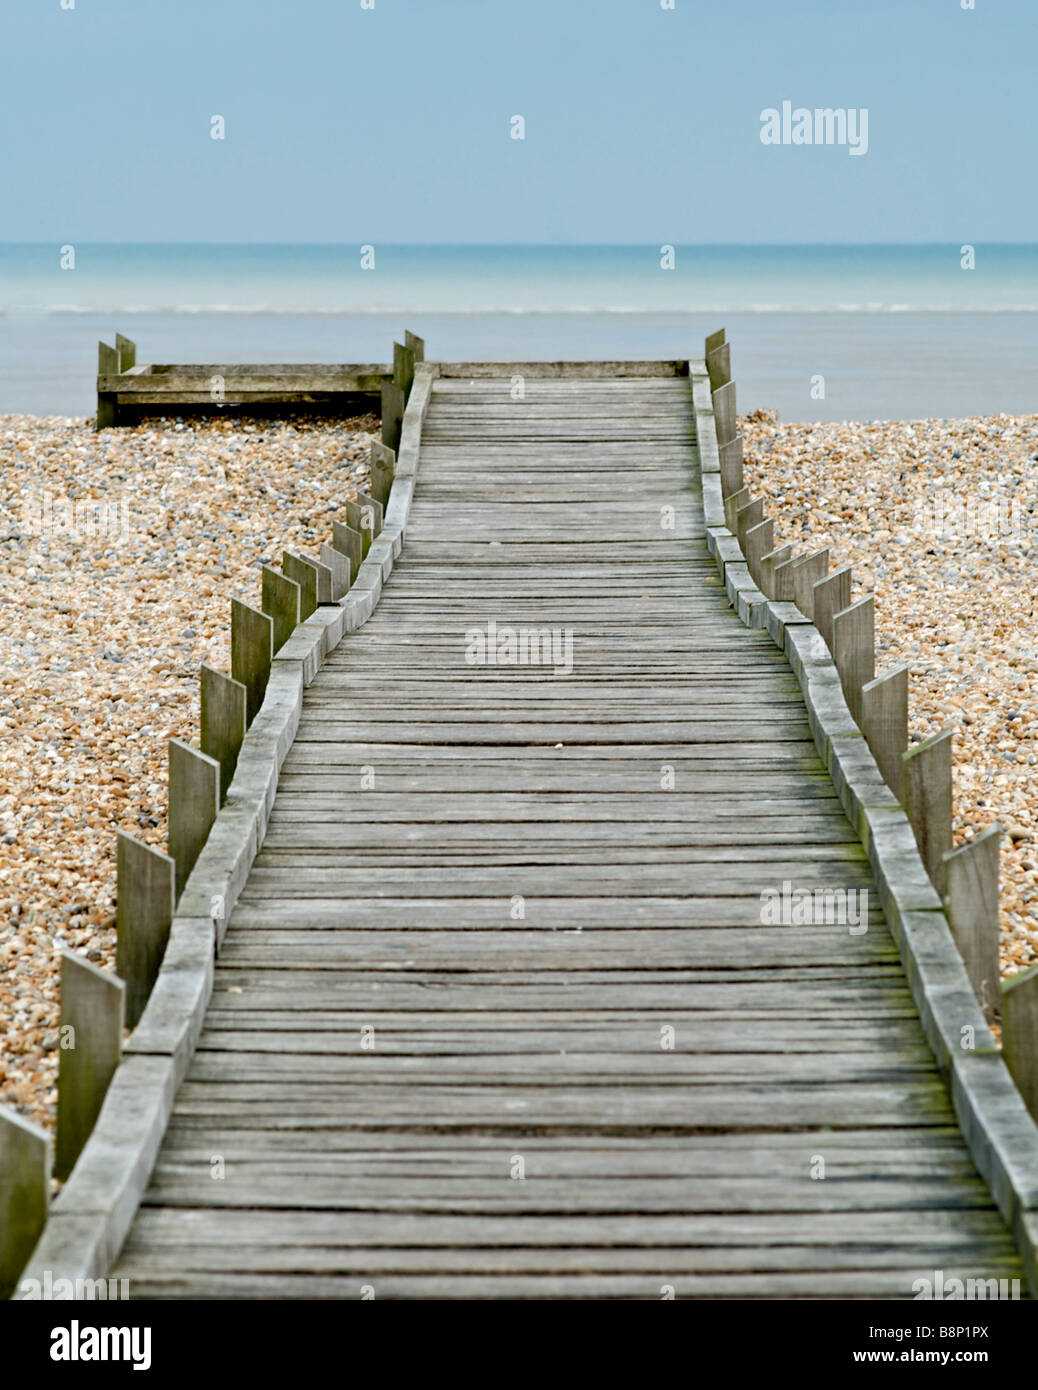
x: 107, y: 408
x: 928, y: 800
x: 252, y: 648
x: 194, y: 804
x: 127, y: 350
x: 750, y: 514
x: 25, y: 1163
x: 1020, y: 1033
x: 714, y: 341
x: 730, y: 461
x: 223, y: 722
x: 971, y: 903
x: 807, y: 571
x: 830, y: 595
x: 365, y: 515
x: 719, y: 366
x: 381, y: 467
x: 757, y: 541
x: 415, y: 344
x: 724, y: 412
x: 769, y: 563
x: 144, y: 903
x: 403, y: 370
x: 884, y: 722
x: 281, y: 603
x: 338, y: 566
x: 91, y: 1039
x: 732, y: 503
x: 323, y: 577
x: 393, y: 404
x: 350, y: 543
x: 301, y: 572
x: 854, y: 651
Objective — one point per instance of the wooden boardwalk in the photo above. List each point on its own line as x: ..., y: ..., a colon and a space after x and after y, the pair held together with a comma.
x: 497, y: 1014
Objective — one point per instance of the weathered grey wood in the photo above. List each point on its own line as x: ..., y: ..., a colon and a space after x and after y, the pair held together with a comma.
x: 107, y: 366
x: 769, y: 563
x: 338, y: 567
x: 634, y: 807
x: 364, y: 516
x: 382, y: 467
x: 751, y: 513
x: 403, y: 370
x: 884, y: 722
x: 145, y: 897
x: 785, y: 580
x: 223, y: 721
x: 713, y: 342
x: 350, y: 543
x: 732, y: 503
x: 303, y: 573
x: 91, y: 1038
x: 1020, y: 1033
x: 393, y: 404
x: 807, y: 571
x: 757, y: 541
x: 724, y: 412
x: 324, y: 577
x: 719, y: 366
x: 127, y: 353
x: 194, y: 803
x: 415, y: 344
x: 928, y: 800
x: 971, y: 900
x: 730, y: 459
x: 830, y: 595
x: 282, y: 604
x: 252, y: 648
x: 854, y: 650
x: 25, y: 1164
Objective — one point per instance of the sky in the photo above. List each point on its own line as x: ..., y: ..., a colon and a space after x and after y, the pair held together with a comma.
x: 393, y: 123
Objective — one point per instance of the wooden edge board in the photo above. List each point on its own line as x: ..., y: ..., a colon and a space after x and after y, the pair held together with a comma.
x: 91, y: 1217
x: 999, y: 1132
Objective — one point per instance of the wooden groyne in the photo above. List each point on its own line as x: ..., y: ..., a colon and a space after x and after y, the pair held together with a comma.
x: 587, y: 949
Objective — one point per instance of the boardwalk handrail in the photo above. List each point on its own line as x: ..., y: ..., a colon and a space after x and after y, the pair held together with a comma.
x: 998, y: 1127
x: 88, y: 1221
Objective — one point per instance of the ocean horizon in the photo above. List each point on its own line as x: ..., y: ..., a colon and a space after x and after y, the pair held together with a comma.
x: 818, y: 332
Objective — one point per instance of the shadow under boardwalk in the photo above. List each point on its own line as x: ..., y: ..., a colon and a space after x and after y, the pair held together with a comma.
x: 500, y: 1012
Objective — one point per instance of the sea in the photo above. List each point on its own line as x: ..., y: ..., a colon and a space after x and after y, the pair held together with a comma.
x: 817, y: 332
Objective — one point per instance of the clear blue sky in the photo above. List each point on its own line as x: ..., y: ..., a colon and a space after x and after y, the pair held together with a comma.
x: 347, y: 125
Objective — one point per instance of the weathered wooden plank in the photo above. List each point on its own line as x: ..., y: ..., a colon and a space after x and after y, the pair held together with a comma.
x: 194, y: 804
x: 884, y: 722
x: 971, y: 893
x: 928, y: 800
x: 252, y: 649
x: 25, y: 1169
x: 145, y: 899
x: 223, y: 717
x: 282, y: 603
x: 92, y: 1003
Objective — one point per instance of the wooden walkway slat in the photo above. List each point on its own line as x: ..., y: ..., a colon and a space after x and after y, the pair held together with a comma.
x: 497, y: 1014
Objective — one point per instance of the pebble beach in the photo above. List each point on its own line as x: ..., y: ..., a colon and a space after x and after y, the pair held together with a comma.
x: 939, y: 519
x: 121, y: 552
